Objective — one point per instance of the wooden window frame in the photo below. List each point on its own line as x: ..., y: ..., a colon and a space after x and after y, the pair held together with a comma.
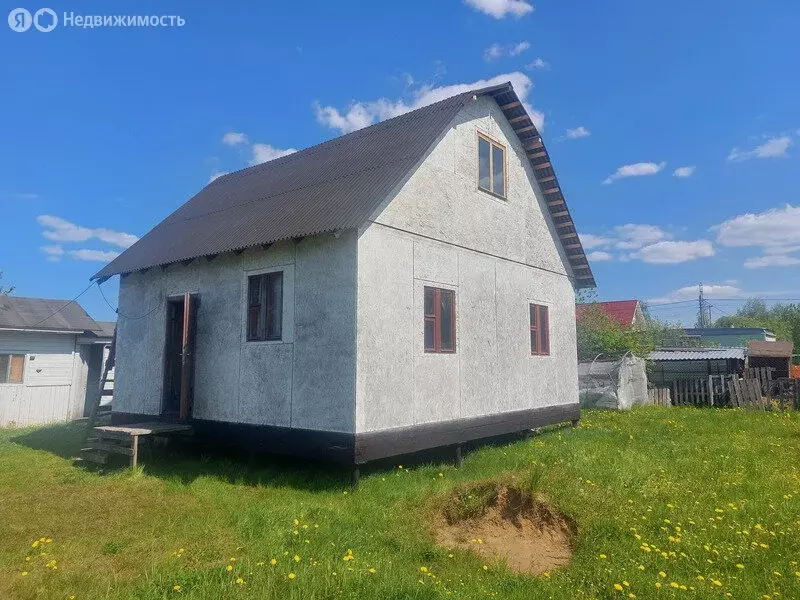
x: 436, y: 319
x: 263, y: 307
x: 492, y: 142
x: 7, y: 375
x: 535, y: 312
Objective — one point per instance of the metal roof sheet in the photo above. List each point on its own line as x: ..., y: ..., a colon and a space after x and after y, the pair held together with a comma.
x: 335, y: 185
x: 698, y: 354
x: 44, y: 314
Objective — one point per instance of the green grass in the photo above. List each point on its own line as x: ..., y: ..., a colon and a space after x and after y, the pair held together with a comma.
x: 690, y: 493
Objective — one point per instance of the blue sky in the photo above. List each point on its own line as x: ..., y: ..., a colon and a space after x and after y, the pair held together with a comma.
x: 108, y: 130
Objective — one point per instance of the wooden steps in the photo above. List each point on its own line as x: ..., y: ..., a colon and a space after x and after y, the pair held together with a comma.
x: 124, y: 439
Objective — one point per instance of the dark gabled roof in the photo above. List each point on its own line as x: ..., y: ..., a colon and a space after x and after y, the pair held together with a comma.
x: 44, y: 314
x: 335, y: 185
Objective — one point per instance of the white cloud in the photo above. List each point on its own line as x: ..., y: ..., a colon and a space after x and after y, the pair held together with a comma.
x: 589, y: 241
x: 539, y: 65
x: 599, y: 256
x: 264, y: 152
x: 631, y: 236
x: 233, y: 138
x: 496, y: 51
x: 771, y: 260
x: 775, y: 231
x: 93, y: 255
x: 635, y: 170
x: 61, y: 230
x: 216, y: 175
x: 775, y: 147
x: 54, y: 253
x: 500, y: 8
x: 493, y: 52
x: 691, y: 292
x: 684, y: 171
x: 672, y: 252
x: 362, y: 114
x: 634, y: 235
x: 578, y: 132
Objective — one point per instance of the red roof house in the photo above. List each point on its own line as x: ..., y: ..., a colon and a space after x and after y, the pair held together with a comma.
x: 627, y: 313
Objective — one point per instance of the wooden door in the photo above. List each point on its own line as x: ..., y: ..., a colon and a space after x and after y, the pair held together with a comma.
x: 190, y: 305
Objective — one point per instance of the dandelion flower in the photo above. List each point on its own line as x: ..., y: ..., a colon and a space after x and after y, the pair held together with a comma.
x: 485, y: 567
x: 602, y: 556
x: 229, y: 568
x: 291, y: 576
x: 658, y: 585
x: 662, y: 574
x: 739, y: 566
x: 296, y: 558
x: 618, y: 587
x: 175, y: 588
x: 24, y: 573
x: 273, y: 561
x: 239, y: 581
x: 423, y: 569
x: 372, y: 570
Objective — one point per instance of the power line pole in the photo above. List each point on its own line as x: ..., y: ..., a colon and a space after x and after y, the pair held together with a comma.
x: 703, y: 313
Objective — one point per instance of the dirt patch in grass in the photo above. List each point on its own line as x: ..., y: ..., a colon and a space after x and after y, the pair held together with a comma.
x: 502, y: 521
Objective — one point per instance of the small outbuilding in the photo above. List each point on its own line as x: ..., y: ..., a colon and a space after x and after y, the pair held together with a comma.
x: 406, y: 286
x: 668, y: 365
x: 773, y: 355
x: 51, y: 357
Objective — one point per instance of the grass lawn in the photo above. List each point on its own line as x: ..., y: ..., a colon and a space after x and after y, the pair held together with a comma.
x: 669, y: 503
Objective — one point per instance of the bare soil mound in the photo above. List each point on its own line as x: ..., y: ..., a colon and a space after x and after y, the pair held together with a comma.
x: 498, y: 521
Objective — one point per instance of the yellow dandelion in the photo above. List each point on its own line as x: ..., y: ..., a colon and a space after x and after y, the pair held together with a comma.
x: 296, y: 558
x: 273, y: 561
x: 675, y: 584
x: 24, y: 573
x: 229, y: 568
x: 662, y: 574
x: 239, y: 581
x: 291, y: 576
x: 739, y: 566
x: 618, y: 587
x: 423, y: 569
x: 372, y: 570
x: 175, y: 588
x: 658, y: 585
x: 602, y: 556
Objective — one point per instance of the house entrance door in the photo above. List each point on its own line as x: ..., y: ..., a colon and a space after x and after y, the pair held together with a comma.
x: 178, y: 393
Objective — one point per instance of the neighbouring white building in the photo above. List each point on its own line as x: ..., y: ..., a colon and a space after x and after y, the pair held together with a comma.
x: 406, y: 286
x: 51, y: 357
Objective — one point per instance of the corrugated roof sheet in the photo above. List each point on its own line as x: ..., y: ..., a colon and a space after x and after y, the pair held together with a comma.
x: 335, y: 185
x: 37, y: 313
x: 698, y: 354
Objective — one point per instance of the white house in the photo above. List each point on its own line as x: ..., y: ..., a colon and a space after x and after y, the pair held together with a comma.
x: 406, y: 286
x: 51, y: 355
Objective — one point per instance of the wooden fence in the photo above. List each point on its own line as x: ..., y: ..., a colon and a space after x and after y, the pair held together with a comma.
x: 659, y: 396
x: 756, y: 389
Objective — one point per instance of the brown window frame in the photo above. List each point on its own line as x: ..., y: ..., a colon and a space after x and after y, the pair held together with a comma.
x: 493, y: 143
x: 5, y: 376
x: 263, y: 308
x: 536, y: 312
x: 436, y: 319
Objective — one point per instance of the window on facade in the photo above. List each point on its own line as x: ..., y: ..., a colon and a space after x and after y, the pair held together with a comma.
x: 540, y: 330
x: 491, y: 166
x: 264, y: 306
x: 11, y: 368
x: 440, y: 320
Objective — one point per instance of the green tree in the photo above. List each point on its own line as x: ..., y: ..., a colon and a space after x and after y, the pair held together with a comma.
x: 599, y: 334
x: 782, y: 319
x: 5, y: 291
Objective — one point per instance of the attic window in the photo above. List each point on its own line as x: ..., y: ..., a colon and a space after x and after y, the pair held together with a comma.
x: 491, y: 166
x: 11, y: 368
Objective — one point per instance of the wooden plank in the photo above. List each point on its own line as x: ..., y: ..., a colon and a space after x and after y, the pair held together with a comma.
x: 524, y: 129
x: 112, y: 448
x: 511, y: 105
x: 518, y: 119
